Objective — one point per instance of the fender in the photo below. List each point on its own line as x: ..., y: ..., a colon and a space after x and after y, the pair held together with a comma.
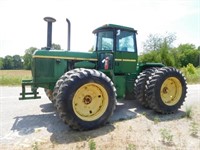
x: 143, y: 66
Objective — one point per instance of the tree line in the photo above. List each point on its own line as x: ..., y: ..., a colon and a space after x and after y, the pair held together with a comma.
x: 21, y: 62
x: 157, y: 48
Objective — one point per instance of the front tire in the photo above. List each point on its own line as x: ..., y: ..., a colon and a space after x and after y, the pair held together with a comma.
x: 59, y: 83
x: 166, y: 90
x: 86, y: 99
x: 49, y: 94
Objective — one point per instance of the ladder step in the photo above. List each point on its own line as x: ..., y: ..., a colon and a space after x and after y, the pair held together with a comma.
x: 29, y: 93
x: 27, y: 98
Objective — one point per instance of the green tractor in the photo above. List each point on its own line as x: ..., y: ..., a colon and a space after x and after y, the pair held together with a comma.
x: 84, y: 86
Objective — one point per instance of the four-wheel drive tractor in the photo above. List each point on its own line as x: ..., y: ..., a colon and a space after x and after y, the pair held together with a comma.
x: 84, y: 86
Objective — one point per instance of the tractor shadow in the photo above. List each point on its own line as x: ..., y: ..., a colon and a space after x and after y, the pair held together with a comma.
x: 154, y: 116
x: 62, y: 134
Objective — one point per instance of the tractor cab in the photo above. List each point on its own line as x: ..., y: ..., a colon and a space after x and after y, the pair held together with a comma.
x: 116, y: 48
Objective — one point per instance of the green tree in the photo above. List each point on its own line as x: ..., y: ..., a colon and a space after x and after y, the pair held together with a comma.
x: 166, y: 57
x: 158, y: 49
x: 183, y: 47
x: 91, y: 49
x: 155, y: 41
x: 8, y: 62
x: 190, y: 56
x: 176, y: 55
x: 56, y: 46
x: 187, y: 53
x: 1, y: 63
x: 152, y: 56
x: 28, y: 57
x: 17, y: 60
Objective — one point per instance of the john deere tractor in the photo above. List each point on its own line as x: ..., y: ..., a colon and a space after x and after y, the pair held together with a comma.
x: 84, y: 86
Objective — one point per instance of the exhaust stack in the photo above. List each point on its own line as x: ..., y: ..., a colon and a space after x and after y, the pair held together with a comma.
x: 69, y: 34
x: 49, y: 21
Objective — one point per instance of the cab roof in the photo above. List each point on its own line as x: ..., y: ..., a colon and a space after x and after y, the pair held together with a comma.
x: 114, y: 26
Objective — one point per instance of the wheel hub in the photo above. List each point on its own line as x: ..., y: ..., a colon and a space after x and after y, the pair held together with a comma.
x: 165, y: 90
x: 87, y: 99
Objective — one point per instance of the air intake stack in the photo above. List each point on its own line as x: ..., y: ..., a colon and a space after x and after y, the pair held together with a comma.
x: 69, y: 34
x: 49, y: 21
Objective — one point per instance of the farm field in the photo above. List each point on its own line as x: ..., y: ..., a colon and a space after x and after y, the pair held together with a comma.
x: 13, y: 77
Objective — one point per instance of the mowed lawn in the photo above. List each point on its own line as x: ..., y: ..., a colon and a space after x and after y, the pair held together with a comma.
x: 13, y: 77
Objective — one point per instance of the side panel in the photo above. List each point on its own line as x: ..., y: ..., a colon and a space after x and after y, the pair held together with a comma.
x: 130, y: 80
x: 119, y: 82
x: 48, y: 66
x: 125, y: 62
x: 47, y: 71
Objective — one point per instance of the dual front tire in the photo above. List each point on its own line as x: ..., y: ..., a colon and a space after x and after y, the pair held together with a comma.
x: 85, y: 99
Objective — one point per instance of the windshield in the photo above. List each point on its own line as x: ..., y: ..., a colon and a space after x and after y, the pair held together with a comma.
x: 125, y: 41
x: 105, y: 40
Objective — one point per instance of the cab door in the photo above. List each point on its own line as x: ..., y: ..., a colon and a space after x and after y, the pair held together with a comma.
x: 126, y: 52
x: 105, y: 48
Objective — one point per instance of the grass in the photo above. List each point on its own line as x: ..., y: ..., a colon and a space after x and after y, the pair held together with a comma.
x: 35, y: 146
x: 156, y: 120
x: 13, y: 77
x: 188, y: 112
x: 194, y: 128
x: 167, y: 137
x: 192, y: 77
x: 92, y: 144
x: 131, y: 147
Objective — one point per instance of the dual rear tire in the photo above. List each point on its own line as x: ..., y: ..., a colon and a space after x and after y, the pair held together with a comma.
x: 161, y: 89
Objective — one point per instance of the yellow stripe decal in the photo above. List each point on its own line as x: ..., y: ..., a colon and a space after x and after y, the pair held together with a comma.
x: 76, y: 58
x: 128, y: 60
x: 67, y: 58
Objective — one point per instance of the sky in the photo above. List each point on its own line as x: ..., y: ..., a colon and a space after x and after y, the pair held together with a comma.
x: 22, y: 25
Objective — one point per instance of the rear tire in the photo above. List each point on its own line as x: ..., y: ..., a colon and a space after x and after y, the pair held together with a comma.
x: 166, y: 90
x: 86, y: 99
x: 140, y: 84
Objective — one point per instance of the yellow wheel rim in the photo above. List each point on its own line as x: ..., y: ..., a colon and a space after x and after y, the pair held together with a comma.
x: 90, y: 101
x: 171, y: 91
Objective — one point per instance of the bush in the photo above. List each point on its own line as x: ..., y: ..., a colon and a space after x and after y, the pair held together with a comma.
x: 191, y: 73
x: 191, y: 69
